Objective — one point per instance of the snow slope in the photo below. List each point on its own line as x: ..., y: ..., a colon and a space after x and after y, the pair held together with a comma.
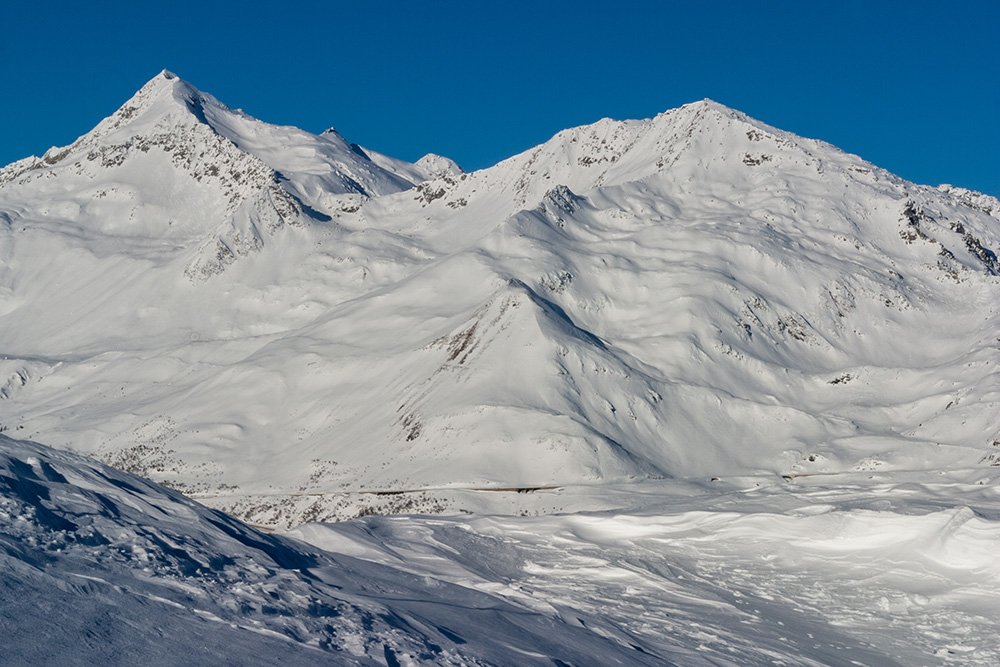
x: 196, y: 296
x: 100, y: 566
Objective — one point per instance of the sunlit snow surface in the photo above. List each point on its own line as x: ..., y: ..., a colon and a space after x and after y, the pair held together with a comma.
x: 196, y: 296
x: 99, y: 566
x: 689, y: 389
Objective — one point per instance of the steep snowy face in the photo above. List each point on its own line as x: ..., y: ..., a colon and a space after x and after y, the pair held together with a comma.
x: 198, y: 131
x: 816, y: 300
x: 172, y: 189
x: 695, y: 295
x: 174, y: 166
x: 154, y: 169
x: 787, y: 306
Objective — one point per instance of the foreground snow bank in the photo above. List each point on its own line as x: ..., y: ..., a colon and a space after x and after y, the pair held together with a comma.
x: 819, y: 585
x: 101, y: 567
x: 97, y: 565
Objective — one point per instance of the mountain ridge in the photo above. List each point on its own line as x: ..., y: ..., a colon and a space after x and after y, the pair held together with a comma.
x: 690, y: 296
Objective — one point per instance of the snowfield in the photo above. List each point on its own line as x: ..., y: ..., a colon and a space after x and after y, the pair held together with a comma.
x: 102, y: 566
x: 685, y: 390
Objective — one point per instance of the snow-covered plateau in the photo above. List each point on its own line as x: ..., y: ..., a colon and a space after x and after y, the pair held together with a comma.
x: 687, y: 390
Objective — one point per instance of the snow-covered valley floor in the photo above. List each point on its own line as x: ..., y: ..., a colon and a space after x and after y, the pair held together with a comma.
x: 100, y: 566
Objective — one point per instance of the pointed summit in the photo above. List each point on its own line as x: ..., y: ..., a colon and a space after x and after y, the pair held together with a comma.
x: 164, y: 99
x: 165, y: 83
x: 163, y: 104
x: 709, y: 103
x: 437, y: 166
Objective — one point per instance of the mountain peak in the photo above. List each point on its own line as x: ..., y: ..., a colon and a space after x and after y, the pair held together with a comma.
x: 706, y: 112
x: 438, y: 165
x: 165, y: 86
x: 166, y: 78
x: 164, y: 100
x: 709, y: 103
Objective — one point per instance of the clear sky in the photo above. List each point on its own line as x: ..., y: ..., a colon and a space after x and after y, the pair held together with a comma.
x: 911, y: 86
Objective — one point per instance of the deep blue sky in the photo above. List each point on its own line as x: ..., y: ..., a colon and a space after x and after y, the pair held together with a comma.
x: 912, y: 86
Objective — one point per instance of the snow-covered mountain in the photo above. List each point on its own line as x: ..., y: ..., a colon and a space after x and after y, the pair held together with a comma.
x: 290, y: 327
x: 685, y: 390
